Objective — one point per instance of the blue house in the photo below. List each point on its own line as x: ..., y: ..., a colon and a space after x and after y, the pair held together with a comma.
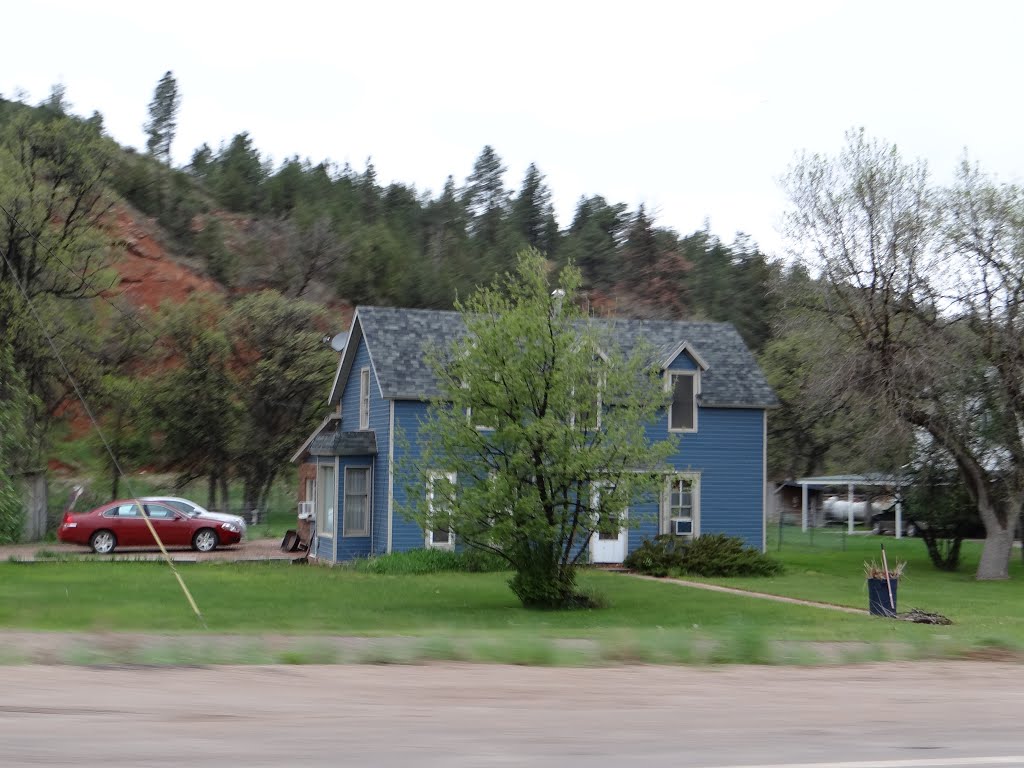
x: 719, y: 408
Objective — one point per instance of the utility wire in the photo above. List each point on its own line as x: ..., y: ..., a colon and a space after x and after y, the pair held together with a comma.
x: 99, y: 432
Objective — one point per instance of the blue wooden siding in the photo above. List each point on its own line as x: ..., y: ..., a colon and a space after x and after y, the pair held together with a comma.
x: 683, y: 362
x: 406, y: 534
x: 726, y: 451
x: 380, y: 410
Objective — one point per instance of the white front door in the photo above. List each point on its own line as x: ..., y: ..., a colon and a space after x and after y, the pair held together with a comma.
x: 608, y: 544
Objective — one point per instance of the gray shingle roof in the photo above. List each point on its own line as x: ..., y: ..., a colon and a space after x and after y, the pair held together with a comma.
x: 398, y: 340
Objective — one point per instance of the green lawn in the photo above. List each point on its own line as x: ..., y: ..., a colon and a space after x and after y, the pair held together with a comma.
x: 288, y: 599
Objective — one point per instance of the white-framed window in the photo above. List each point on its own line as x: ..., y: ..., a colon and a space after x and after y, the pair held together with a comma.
x: 438, y: 538
x: 364, y: 398
x: 680, y: 506
x: 326, y: 495
x: 682, y: 411
x: 469, y: 408
x: 356, y: 512
x: 590, y: 418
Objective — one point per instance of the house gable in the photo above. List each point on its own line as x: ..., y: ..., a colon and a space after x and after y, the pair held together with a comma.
x: 684, y: 358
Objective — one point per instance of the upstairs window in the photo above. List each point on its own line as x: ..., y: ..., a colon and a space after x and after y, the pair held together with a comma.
x: 364, y: 398
x: 682, y: 413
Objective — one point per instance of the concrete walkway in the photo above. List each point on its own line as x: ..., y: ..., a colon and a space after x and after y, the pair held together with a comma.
x: 745, y: 593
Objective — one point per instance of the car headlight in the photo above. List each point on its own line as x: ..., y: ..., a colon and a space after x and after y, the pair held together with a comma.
x: 230, y: 527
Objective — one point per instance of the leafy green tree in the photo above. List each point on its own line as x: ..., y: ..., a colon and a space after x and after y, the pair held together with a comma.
x: 163, y: 118
x: 53, y: 184
x: 562, y: 450
x: 940, y: 507
x: 195, y: 403
x: 15, y: 420
x: 210, y: 247
x: 56, y: 249
x: 117, y: 394
x: 283, y: 369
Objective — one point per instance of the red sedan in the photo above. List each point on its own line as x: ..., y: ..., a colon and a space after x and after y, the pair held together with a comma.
x: 123, y: 524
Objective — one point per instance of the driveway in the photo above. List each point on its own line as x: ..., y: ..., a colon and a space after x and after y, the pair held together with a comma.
x: 257, y: 549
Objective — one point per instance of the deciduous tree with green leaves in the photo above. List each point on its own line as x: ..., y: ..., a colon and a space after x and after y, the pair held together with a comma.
x: 283, y: 369
x: 541, y: 424
x: 15, y: 409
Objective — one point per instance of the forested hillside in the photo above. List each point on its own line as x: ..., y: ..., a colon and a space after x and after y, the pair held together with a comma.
x: 256, y: 261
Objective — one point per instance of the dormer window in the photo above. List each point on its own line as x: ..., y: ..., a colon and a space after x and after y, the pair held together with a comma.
x: 682, y: 413
x: 364, y: 398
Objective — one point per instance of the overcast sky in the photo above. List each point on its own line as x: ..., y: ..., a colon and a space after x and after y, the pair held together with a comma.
x: 694, y: 109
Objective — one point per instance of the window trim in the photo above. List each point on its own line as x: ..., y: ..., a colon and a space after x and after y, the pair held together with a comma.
x: 362, y: 533
x: 668, y: 520
x: 364, y: 398
x: 428, y: 538
x: 670, y: 377
x: 326, y: 532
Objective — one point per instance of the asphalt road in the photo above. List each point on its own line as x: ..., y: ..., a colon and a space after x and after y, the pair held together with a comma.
x: 914, y: 715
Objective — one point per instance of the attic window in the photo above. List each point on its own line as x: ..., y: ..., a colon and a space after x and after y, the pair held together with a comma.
x: 682, y: 413
x: 364, y: 398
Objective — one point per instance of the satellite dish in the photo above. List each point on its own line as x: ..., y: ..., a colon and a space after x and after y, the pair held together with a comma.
x: 338, y: 342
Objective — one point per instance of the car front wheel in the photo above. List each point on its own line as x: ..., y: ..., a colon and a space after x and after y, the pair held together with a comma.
x: 205, y: 540
x: 103, y: 542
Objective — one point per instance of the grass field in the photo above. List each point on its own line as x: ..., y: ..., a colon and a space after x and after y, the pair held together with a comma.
x: 446, y: 613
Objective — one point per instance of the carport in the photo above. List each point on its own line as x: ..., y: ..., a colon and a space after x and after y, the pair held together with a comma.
x: 853, y: 482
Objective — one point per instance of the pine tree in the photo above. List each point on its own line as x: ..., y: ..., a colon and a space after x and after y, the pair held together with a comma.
x: 485, y: 197
x: 532, y: 214
x: 163, y: 118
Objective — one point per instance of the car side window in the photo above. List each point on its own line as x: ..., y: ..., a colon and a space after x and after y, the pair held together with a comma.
x: 157, y: 512
x: 123, y: 510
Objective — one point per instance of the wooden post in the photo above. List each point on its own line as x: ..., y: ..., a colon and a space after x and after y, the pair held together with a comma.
x: 803, y: 507
x: 849, y: 507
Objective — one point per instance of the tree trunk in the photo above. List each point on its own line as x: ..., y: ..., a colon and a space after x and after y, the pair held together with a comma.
x: 211, y: 491
x: 999, y: 535
x: 995, y: 556
x: 225, y: 497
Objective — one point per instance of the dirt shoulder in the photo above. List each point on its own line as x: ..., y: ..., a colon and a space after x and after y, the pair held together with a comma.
x: 256, y: 549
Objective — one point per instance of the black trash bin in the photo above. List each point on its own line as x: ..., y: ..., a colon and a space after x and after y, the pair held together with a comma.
x: 878, y: 597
